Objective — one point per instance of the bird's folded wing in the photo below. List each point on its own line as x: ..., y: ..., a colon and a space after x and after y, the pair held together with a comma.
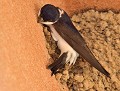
x: 76, y: 41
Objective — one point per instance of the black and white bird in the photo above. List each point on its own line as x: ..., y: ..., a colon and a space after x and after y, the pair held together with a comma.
x: 68, y: 39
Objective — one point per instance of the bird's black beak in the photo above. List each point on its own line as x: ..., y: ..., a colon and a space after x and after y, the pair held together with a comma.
x: 40, y: 19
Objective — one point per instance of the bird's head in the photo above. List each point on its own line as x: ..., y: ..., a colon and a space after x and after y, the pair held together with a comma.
x: 49, y: 14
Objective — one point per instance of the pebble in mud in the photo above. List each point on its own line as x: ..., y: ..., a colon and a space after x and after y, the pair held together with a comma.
x: 58, y: 76
x: 88, y: 84
x: 78, y: 78
x: 101, y: 31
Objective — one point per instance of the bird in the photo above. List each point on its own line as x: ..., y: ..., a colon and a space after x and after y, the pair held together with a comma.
x: 68, y: 39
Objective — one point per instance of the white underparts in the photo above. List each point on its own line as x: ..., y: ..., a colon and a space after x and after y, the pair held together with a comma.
x: 64, y: 47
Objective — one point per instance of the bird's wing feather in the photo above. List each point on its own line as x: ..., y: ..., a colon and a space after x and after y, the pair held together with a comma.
x: 76, y: 41
x: 58, y: 64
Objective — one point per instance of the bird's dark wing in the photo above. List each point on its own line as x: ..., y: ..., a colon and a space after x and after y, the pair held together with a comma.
x: 58, y: 64
x: 76, y: 41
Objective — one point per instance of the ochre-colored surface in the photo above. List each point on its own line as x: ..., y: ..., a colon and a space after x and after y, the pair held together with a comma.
x: 72, y: 6
x: 23, y: 55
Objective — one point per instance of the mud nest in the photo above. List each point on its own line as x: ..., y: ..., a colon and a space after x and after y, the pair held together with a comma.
x: 101, y: 31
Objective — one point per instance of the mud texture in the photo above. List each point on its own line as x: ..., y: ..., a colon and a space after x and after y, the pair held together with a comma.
x: 101, y: 31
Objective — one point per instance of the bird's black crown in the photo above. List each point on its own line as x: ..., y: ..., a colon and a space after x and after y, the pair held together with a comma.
x: 49, y: 13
